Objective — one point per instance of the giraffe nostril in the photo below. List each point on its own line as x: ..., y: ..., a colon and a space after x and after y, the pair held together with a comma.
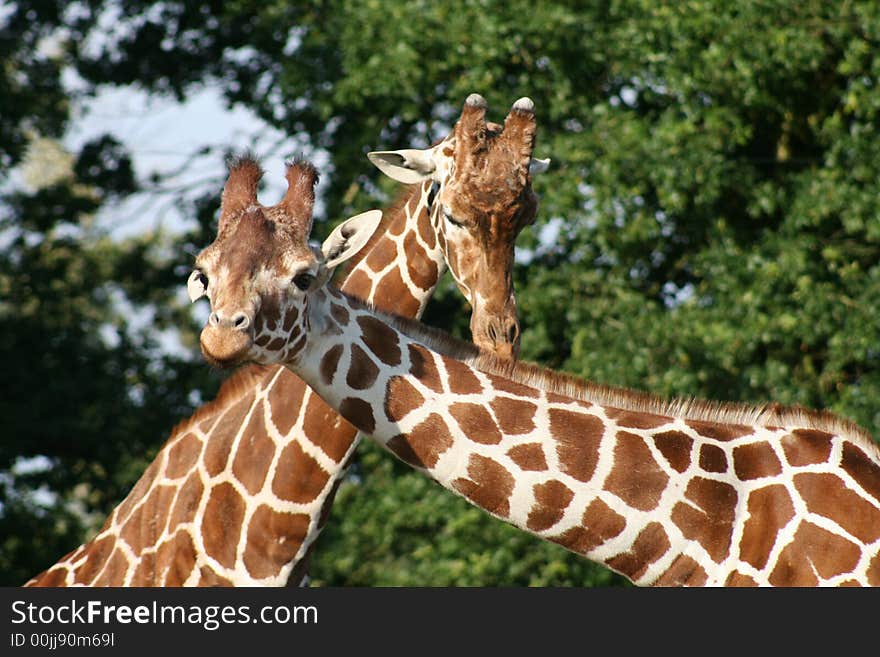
x: 492, y: 333
x: 513, y: 333
x: 241, y: 321
x: 214, y: 319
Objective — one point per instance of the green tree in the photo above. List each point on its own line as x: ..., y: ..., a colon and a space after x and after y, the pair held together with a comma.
x: 709, y: 226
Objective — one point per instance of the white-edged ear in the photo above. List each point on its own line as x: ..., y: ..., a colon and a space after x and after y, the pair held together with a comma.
x: 195, y: 286
x: 349, y: 237
x: 538, y: 166
x: 408, y: 165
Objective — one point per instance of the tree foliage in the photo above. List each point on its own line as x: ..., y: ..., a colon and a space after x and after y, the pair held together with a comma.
x: 709, y: 226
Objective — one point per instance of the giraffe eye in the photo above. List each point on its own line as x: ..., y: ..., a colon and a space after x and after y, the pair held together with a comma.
x: 303, y: 280
x: 197, y: 285
x: 448, y: 216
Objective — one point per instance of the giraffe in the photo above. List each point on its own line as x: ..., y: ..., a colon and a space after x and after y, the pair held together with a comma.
x: 664, y: 492
x: 240, y: 491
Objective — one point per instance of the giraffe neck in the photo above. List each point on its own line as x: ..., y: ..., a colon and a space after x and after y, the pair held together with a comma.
x: 663, y: 493
x: 241, y: 490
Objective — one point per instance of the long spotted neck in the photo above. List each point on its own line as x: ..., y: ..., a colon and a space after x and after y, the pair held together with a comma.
x: 240, y: 491
x: 661, y: 492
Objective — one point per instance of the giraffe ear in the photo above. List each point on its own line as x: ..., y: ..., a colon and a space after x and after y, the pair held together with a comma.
x: 349, y: 237
x: 408, y: 165
x: 538, y: 166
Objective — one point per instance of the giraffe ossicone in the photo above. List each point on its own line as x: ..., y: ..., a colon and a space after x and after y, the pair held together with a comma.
x: 241, y: 489
x: 663, y: 492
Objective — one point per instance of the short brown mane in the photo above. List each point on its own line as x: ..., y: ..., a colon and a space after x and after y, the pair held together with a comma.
x: 240, y: 383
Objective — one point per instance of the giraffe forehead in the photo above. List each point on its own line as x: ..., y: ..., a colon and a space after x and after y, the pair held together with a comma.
x: 258, y: 245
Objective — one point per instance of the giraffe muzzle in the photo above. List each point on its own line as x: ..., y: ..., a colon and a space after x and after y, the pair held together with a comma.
x: 226, y: 342
x: 500, y: 335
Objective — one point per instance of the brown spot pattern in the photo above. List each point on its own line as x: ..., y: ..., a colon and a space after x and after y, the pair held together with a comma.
x: 141, y: 488
x: 722, y: 432
x: 755, y: 461
x: 489, y: 485
x: 806, y: 447
x: 273, y: 539
x: 712, y: 458
x: 651, y: 544
x: 176, y: 559
x: 739, y: 579
x: 329, y: 363
x: 182, y: 456
x: 226, y: 509
x: 709, y: 520
x: 253, y: 455
x: 426, y: 232
x: 600, y: 523
x: 422, y: 367
x: 114, y: 573
x: 551, y: 500
x: 380, y: 339
x: 529, y: 457
x: 362, y: 372
x: 319, y: 425
x: 421, y: 269
x: 145, y: 573
x: 187, y: 502
x: 634, y: 420
x: 813, y: 548
x: 556, y: 398
x: 684, y: 571
x: 148, y: 520
x: 515, y: 416
x: 277, y: 344
x: 873, y: 572
x: 476, y: 423
x: 359, y: 284
x: 207, y: 577
x: 461, y: 378
x: 675, y: 447
x: 339, y: 313
x: 577, y: 436
x: 290, y: 319
x: 770, y: 509
x: 218, y: 447
x: 423, y: 446
x: 271, y: 312
x: 98, y: 554
x: 860, y: 467
x: 501, y: 384
x: 285, y: 399
x: 401, y: 398
x: 381, y: 255
x: 359, y: 413
x: 827, y: 495
x: 636, y: 478
x: 55, y: 576
x: 298, y: 476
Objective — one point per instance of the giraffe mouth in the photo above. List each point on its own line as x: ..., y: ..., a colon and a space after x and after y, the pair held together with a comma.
x: 225, y: 348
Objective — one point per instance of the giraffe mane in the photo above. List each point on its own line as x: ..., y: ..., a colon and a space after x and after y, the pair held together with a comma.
x: 575, y: 387
x: 240, y: 383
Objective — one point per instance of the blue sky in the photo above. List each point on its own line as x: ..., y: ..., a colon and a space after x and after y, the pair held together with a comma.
x: 162, y: 134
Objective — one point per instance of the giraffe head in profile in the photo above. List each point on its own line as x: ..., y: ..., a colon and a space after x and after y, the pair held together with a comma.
x: 481, y: 174
x: 259, y: 270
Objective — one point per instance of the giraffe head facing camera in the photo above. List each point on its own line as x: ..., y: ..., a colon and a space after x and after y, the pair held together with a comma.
x: 259, y: 271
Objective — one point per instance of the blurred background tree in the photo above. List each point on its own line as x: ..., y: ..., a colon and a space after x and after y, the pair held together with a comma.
x: 710, y: 226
